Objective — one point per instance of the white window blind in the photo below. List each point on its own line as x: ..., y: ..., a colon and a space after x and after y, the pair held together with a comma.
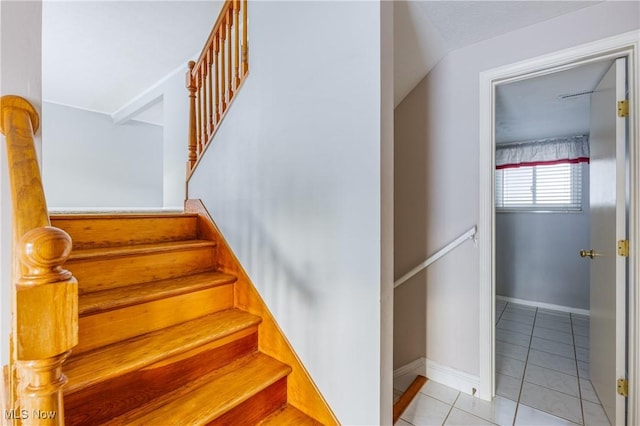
x: 553, y: 187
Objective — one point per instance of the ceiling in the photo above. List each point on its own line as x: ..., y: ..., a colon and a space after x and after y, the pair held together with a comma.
x: 100, y: 55
x: 551, y: 105
x: 556, y: 104
x: 425, y: 31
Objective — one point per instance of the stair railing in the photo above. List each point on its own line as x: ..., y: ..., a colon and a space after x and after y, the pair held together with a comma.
x: 215, y: 78
x: 468, y: 235
x: 44, y: 324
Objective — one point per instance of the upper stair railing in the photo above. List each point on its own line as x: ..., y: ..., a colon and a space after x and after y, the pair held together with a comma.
x: 214, y: 80
x: 44, y: 302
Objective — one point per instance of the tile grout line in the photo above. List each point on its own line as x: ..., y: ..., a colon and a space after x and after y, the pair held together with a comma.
x: 450, y: 409
x: 515, y: 414
x: 575, y: 354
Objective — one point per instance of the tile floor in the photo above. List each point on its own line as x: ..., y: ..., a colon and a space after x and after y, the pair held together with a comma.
x: 542, y: 377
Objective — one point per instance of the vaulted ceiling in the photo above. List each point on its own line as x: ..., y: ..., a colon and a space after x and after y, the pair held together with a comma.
x: 425, y: 31
x: 99, y: 55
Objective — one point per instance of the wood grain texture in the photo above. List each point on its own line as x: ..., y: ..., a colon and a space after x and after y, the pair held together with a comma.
x: 102, y: 230
x: 46, y: 296
x: 111, y: 398
x: 301, y: 390
x: 19, y: 122
x: 104, y: 328
x: 201, y: 402
x: 120, y: 297
x: 256, y: 408
x: 44, y: 325
x: 104, y: 272
x: 408, y: 395
x: 289, y: 416
x: 211, y: 81
x: 121, y: 358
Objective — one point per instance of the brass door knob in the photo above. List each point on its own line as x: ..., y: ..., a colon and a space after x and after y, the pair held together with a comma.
x: 585, y: 253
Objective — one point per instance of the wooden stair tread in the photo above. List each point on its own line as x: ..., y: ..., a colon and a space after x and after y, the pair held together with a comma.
x: 289, y: 416
x: 100, y: 301
x: 209, y: 398
x: 112, y: 230
x: 136, y: 249
x: 129, y: 355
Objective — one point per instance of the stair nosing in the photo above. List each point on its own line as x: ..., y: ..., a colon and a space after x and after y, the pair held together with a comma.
x: 213, y: 279
x: 112, y: 252
x: 153, y: 355
x: 116, y: 215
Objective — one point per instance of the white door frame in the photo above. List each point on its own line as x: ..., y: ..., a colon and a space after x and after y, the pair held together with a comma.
x: 626, y: 44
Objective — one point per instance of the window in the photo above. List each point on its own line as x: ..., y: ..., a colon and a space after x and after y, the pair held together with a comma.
x: 548, y: 187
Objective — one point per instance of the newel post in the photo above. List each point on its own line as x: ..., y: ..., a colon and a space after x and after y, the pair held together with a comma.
x: 44, y: 301
x: 46, y: 319
x: 193, y: 130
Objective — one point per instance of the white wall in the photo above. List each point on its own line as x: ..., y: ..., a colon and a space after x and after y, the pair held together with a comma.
x: 448, y: 119
x: 20, y: 74
x: 89, y: 162
x: 537, y: 255
x: 166, y: 103
x: 293, y: 178
x: 175, y: 139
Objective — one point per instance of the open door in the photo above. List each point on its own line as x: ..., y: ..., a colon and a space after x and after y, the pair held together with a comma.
x: 608, y: 227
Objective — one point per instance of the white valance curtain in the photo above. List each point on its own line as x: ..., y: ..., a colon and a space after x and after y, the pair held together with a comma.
x: 574, y: 149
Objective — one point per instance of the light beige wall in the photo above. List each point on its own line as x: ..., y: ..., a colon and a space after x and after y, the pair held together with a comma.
x: 441, y: 153
x: 410, y: 227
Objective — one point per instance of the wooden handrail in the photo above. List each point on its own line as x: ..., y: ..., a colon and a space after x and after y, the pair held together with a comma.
x: 44, y: 296
x: 215, y: 78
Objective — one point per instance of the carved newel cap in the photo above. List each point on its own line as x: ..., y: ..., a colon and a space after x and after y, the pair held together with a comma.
x: 43, y: 251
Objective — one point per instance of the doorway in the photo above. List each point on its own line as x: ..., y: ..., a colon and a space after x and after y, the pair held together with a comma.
x: 542, y: 127
x: 607, y: 50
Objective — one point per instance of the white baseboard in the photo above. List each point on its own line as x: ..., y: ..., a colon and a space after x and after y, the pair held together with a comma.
x: 405, y: 375
x: 456, y: 379
x: 544, y: 305
x: 419, y: 366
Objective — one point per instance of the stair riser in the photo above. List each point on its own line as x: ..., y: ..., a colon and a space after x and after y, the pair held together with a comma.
x: 104, y: 273
x: 118, y: 231
x: 120, y: 324
x: 256, y: 408
x: 108, y: 399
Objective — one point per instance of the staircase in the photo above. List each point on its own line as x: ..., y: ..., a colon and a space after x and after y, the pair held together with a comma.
x: 172, y: 333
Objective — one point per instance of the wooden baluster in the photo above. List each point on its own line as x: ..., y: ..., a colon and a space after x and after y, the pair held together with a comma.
x: 216, y: 77
x: 245, y: 45
x: 205, y: 97
x: 223, y: 79
x: 197, y: 111
x: 203, y: 108
x: 211, y: 74
x: 236, y: 42
x: 229, y: 52
x: 193, y: 136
